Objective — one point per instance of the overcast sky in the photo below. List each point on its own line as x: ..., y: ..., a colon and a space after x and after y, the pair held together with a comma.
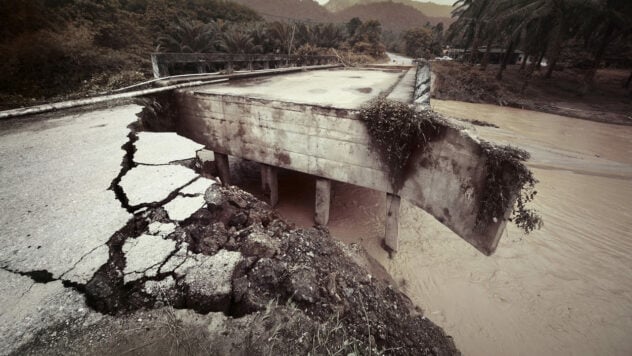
x: 443, y: 2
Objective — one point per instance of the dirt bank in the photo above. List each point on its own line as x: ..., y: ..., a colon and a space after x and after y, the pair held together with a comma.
x: 270, y: 289
x: 608, y: 102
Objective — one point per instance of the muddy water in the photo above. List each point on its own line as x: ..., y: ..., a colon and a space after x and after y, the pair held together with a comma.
x: 566, y: 289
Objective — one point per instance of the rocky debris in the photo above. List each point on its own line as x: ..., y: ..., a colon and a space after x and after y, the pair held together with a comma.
x: 282, y: 290
x: 214, y: 197
x: 153, y: 184
x: 260, y: 244
x: 181, y: 208
x: 161, y: 229
x: 156, y: 148
x: 144, y: 255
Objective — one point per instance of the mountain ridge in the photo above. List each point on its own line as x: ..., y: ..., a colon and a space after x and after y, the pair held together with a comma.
x: 430, y: 9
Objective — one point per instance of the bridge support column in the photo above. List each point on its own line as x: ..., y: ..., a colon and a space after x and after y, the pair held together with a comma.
x: 270, y: 183
x: 221, y: 160
x: 323, y: 201
x: 391, y: 239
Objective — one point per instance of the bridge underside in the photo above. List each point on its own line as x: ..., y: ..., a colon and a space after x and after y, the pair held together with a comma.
x: 308, y: 122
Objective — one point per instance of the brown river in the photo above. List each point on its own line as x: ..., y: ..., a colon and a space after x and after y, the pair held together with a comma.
x: 563, y: 290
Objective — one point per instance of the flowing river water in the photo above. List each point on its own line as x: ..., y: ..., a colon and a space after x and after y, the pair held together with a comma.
x: 565, y: 289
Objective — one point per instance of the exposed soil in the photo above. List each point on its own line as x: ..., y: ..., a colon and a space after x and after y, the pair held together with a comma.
x: 608, y: 102
x: 296, y: 291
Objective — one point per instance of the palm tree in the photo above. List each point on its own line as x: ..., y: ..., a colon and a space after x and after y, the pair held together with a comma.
x: 189, y: 37
x: 607, y: 20
x: 238, y: 42
x: 473, y: 16
x: 282, y: 36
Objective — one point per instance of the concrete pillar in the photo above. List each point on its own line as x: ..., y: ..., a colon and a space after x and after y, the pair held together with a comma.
x: 159, y: 69
x: 221, y: 160
x: 323, y: 201
x: 229, y: 67
x: 270, y: 183
x: 206, y: 157
x: 250, y: 66
x: 266, y: 65
x: 392, y: 221
x: 200, y: 68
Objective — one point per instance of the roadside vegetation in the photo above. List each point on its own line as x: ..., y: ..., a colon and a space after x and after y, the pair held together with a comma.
x: 55, y: 50
x: 577, y: 33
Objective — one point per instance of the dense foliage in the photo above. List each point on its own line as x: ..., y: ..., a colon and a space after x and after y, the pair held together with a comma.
x: 578, y: 32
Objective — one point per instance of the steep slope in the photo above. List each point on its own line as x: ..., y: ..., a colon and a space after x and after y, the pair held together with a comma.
x: 295, y: 9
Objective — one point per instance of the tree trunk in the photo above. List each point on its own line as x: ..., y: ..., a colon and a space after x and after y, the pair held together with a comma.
x: 556, y: 46
x: 485, y: 61
x: 601, y: 50
x: 523, y: 65
x: 475, y: 43
x: 538, y: 65
x: 507, y: 55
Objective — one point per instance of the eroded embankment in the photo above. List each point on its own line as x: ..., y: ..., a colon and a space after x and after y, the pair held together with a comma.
x: 236, y: 256
x: 279, y: 290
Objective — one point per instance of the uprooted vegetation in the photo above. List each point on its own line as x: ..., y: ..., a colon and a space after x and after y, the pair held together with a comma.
x: 507, y: 179
x: 279, y: 290
x: 398, y: 130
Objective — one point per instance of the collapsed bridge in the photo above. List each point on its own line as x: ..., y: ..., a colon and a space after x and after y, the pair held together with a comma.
x: 308, y: 122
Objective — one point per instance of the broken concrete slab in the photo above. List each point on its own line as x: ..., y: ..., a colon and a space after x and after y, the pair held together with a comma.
x: 163, y: 148
x: 198, y: 187
x: 55, y: 202
x: 177, y: 259
x: 151, y: 184
x: 162, y: 290
x: 144, y: 255
x: 205, y: 155
x: 29, y: 307
x: 209, y: 278
x: 181, y: 208
x: 88, y: 265
x: 161, y: 229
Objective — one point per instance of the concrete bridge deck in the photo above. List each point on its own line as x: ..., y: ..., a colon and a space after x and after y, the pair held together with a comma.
x: 308, y: 122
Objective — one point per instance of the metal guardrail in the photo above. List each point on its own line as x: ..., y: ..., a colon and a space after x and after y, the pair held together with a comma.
x: 163, y: 62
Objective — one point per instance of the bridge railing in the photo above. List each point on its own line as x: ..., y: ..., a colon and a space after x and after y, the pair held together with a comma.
x: 164, y: 63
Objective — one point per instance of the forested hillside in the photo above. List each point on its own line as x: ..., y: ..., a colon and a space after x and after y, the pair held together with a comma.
x: 56, y: 47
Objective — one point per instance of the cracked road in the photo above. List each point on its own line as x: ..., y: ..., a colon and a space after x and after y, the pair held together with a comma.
x: 57, y: 211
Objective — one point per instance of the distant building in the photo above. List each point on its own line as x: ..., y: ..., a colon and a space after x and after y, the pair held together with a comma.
x: 495, y: 54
